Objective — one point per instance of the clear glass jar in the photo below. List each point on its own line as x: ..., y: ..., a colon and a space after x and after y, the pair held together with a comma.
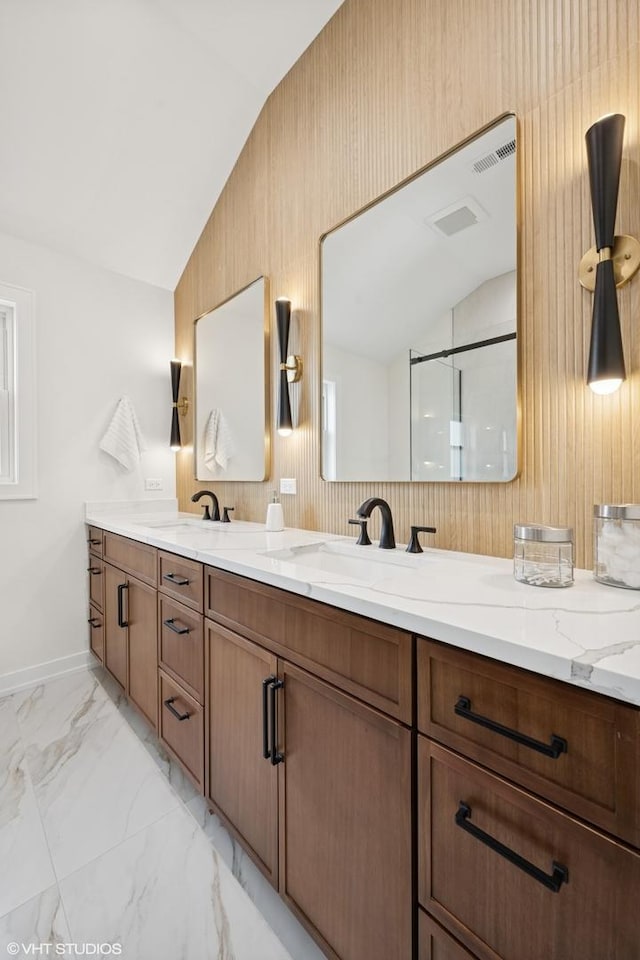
x: 543, y: 556
x: 616, y: 544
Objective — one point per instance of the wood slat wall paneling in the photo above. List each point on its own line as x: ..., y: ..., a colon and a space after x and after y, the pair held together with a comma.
x: 384, y: 89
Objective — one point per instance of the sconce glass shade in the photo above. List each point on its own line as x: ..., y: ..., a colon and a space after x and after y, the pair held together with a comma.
x: 604, y: 155
x: 283, y: 320
x: 606, y: 369
x: 604, y: 140
x: 175, y: 440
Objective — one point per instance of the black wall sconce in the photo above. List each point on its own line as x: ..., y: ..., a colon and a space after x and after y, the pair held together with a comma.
x: 613, y: 261
x: 180, y: 405
x: 290, y: 367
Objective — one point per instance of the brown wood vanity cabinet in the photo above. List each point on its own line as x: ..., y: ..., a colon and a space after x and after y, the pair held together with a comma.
x: 95, y: 570
x: 130, y: 621
x: 521, y: 868
x: 181, y: 657
x: 312, y: 776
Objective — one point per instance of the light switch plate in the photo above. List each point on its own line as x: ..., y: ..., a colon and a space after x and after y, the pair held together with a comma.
x: 287, y: 485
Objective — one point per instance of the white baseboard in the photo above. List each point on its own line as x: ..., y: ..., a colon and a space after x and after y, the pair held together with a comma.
x: 21, y: 679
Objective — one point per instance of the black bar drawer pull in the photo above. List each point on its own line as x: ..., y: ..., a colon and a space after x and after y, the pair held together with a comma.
x: 171, y: 626
x: 94, y: 571
x: 176, y: 579
x: 179, y: 716
x: 266, y: 683
x: 91, y: 541
x: 557, y: 746
x: 275, y: 756
x: 121, y: 589
x: 94, y: 622
x: 552, y: 881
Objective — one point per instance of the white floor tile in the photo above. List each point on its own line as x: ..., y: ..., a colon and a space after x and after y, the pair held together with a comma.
x: 39, y: 921
x: 165, y: 893
x: 24, y: 855
x: 94, y: 783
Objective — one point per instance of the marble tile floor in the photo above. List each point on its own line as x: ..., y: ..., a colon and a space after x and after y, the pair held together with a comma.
x: 104, y: 841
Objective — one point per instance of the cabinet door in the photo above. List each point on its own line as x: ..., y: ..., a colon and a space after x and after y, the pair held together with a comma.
x: 142, y: 618
x: 115, y: 635
x: 345, y: 825
x: 514, y: 878
x: 242, y: 785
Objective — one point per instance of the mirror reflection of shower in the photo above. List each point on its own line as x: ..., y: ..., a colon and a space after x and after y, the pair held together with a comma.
x: 463, y: 422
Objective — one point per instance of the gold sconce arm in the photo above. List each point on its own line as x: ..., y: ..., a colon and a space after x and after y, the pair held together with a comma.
x: 293, y: 366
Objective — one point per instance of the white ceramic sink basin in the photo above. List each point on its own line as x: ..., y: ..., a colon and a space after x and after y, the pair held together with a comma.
x: 345, y: 559
x: 172, y: 524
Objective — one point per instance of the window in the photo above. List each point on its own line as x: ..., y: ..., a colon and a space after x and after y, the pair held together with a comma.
x: 17, y: 394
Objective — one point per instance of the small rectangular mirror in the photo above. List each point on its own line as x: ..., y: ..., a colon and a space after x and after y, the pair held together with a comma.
x: 419, y: 324
x: 231, y: 387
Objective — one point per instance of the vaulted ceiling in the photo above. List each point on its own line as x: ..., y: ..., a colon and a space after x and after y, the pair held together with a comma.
x: 120, y: 120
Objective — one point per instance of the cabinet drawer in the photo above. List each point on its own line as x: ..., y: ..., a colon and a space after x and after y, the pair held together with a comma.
x: 96, y: 633
x: 181, y: 579
x: 184, y: 737
x: 496, y: 906
x: 369, y: 660
x: 435, y: 944
x: 181, y: 650
x: 135, y: 558
x: 94, y: 540
x: 96, y: 583
x: 591, y: 770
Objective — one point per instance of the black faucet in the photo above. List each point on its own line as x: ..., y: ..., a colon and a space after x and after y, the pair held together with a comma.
x: 387, y: 538
x: 214, y: 503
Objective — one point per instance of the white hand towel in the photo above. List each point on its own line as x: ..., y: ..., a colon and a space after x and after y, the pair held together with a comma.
x: 218, y: 442
x: 123, y: 439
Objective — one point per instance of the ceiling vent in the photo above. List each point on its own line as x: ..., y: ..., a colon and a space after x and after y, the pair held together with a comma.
x: 458, y: 216
x: 484, y: 163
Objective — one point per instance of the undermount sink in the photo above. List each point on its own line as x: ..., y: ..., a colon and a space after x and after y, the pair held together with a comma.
x: 344, y: 558
x: 193, y: 526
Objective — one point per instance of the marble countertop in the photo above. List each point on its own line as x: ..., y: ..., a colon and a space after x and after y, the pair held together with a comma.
x: 587, y: 634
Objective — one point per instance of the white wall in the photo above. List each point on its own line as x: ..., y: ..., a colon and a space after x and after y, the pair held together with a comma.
x: 98, y: 335
x: 362, y: 430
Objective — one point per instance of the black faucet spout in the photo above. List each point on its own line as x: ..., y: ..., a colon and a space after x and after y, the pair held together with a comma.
x: 387, y: 537
x: 214, y: 503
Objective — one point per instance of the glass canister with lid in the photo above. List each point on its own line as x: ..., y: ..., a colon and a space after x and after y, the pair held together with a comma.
x: 616, y: 544
x: 543, y: 555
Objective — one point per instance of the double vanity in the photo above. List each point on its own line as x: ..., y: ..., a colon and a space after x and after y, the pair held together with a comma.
x: 426, y: 758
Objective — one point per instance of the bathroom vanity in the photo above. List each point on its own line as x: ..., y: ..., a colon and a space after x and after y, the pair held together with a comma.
x: 425, y: 758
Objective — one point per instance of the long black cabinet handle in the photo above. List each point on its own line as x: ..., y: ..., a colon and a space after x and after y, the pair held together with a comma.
x: 275, y: 756
x: 93, y: 622
x: 170, y: 707
x: 557, y: 746
x: 176, y: 579
x: 92, y: 541
x: 121, y: 589
x: 171, y: 626
x: 94, y: 571
x: 266, y: 683
x: 552, y: 881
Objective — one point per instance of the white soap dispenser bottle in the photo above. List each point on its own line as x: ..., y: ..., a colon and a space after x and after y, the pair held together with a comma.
x: 275, y: 517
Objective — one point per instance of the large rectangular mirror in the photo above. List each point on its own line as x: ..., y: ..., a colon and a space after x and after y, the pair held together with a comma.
x: 231, y: 387
x: 419, y: 324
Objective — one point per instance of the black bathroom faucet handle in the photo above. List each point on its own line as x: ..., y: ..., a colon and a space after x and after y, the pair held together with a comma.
x: 414, y: 543
x: 225, y: 514
x: 363, y: 539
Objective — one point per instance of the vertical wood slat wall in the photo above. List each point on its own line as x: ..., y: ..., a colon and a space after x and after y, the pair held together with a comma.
x: 386, y: 87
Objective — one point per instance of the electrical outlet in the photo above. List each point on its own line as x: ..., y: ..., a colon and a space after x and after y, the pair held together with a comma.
x: 288, y: 485
x: 152, y: 483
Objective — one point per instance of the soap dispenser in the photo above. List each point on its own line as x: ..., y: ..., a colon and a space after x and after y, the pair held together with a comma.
x: 275, y: 518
